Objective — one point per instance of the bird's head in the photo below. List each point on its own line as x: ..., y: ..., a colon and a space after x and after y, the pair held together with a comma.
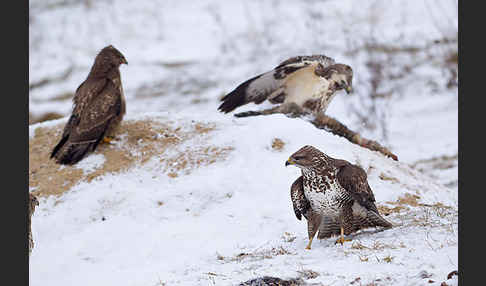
x: 307, y: 157
x: 113, y: 56
x: 340, y: 75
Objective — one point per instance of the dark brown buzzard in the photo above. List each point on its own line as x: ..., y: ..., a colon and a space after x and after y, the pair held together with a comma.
x: 99, y: 106
x: 309, y: 82
x: 333, y: 195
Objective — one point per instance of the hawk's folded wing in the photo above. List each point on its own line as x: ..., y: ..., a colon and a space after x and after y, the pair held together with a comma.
x: 299, y: 201
x: 96, y: 116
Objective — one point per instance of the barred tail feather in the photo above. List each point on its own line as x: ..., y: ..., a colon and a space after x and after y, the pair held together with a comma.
x: 313, y: 222
x: 328, y: 227
x: 376, y: 219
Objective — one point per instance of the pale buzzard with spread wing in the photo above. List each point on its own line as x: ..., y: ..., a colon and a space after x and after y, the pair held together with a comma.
x: 305, y: 83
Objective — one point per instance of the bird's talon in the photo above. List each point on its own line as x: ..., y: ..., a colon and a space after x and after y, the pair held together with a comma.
x: 108, y: 139
x: 341, y: 240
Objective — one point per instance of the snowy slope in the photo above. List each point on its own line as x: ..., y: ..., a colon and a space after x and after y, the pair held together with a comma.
x: 233, y: 220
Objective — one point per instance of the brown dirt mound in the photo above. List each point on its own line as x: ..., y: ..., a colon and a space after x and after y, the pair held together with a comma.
x: 138, y: 141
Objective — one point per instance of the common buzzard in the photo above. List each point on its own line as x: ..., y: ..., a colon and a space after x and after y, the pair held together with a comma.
x: 307, y: 83
x: 33, y: 202
x: 99, y: 106
x: 333, y: 195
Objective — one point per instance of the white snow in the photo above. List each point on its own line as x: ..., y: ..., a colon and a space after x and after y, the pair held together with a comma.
x: 240, y: 205
x: 232, y: 221
x: 91, y: 163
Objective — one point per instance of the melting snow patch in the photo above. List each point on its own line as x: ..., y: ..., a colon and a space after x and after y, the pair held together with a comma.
x: 91, y: 163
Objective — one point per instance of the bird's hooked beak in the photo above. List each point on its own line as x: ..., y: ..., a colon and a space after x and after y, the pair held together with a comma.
x: 124, y: 61
x: 289, y: 162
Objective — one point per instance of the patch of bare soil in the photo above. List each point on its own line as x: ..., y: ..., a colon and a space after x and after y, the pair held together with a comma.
x: 402, y: 204
x: 441, y: 162
x: 405, y: 202
x: 138, y: 142
x: 257, y: 255
x: 44, y: 117
x: 277, y: 144
x: 193, y: 158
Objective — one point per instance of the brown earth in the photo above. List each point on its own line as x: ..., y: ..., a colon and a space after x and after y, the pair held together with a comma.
x: 277, y: 144
x: 136, y: 143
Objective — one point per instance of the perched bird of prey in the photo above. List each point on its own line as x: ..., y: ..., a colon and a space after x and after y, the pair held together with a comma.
x: 333, y: 195
x: 99, y: 106
x: 33, y: 202
x: 300, y: 84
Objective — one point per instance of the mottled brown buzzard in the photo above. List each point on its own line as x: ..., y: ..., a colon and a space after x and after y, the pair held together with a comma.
x: 333, y: 195
x: 99, y: 106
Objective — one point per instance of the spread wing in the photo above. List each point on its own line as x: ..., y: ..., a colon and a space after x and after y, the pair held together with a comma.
x: 270, y: 84
x: 325, y: 61
x: 354, y: 180
x: 299, y: 201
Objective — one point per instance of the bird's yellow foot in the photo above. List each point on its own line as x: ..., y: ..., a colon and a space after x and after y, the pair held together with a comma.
x: 309, y: 244
x: 341, y: 240
x: 108, y: 139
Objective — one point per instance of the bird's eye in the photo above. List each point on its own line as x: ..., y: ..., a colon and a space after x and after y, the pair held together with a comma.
x: 297, y: 158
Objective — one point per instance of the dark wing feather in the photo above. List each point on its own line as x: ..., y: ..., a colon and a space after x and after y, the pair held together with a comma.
x: 95, y: 117
x: 86, y: 91
x: 239, y: 97
x: 354, y: 180
x: 261, y: 87
x: 299, y: 201
x: 325, y: 61
x: 85, y: 129
x: 84, y: 94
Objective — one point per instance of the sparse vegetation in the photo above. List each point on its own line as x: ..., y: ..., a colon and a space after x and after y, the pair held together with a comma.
x: 257, y: 255
x: 406, y: 78
x: 138, y: 142
x: 277, y: 144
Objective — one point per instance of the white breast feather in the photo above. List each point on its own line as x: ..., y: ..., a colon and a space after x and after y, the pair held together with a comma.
x: 324, y: 202
x: 358, y: 210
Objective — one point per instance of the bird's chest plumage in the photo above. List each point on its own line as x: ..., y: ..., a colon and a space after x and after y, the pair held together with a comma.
x: 324, y: 192
x: 305, y: 86
x: 326, y: 96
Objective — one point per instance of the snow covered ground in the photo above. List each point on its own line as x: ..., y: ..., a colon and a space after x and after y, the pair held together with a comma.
x: 232, y: 220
